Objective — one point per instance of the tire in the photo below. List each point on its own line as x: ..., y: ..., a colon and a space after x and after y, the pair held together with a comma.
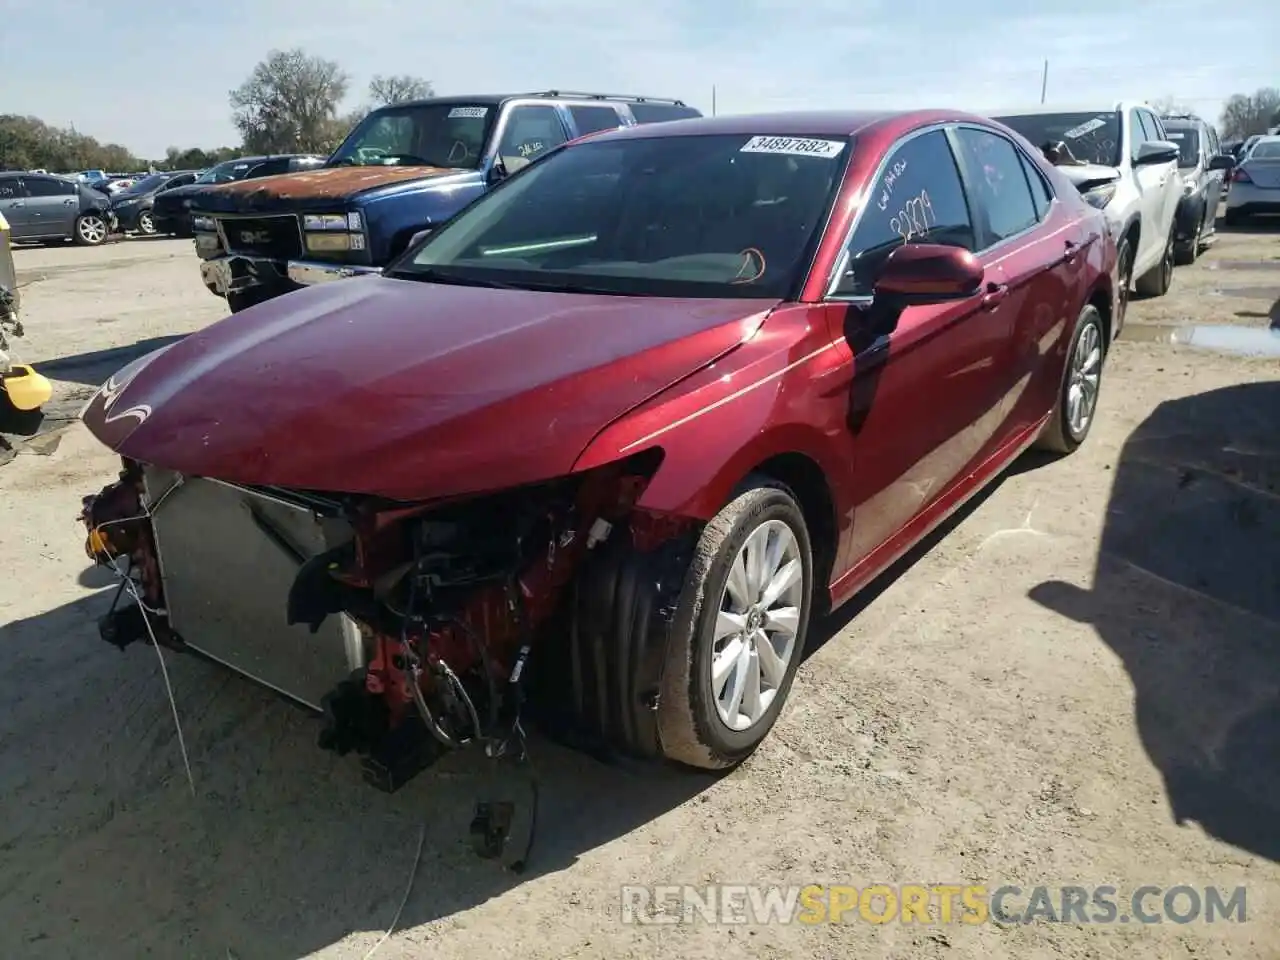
x: 1233, y: 218
x: 246, y: 299
x: 1086, y: 359
x: 90, y: 230
x: 146, y: 225
x: 1184, y: 256
x: 692, y: 728
x: 1156, y: 281
x: 1124, y: 259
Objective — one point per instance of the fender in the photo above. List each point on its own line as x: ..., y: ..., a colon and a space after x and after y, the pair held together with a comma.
x: 715, y: 426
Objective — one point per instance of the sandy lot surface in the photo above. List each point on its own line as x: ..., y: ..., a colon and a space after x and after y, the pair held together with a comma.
x: 1078, y: 682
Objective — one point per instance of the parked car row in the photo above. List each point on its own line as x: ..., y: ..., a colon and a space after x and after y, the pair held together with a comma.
x: 51, y: 208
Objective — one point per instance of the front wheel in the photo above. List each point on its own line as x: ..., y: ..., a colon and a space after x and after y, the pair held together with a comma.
x: 740, y: 631
x: 1077, y: 401
x: 91, y: 230
x: 245, y: 299
x: 1156, y: 281
x: 145, y: 224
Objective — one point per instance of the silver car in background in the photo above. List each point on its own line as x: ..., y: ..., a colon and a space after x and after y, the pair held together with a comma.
x: 1255, y: 182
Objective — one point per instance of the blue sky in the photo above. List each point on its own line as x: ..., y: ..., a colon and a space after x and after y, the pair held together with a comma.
x: 149, y: 74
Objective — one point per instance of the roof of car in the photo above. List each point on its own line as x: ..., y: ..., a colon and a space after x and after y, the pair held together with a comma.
x: 827, y: 123
x: 495, y: 99
x: 1048, y: 108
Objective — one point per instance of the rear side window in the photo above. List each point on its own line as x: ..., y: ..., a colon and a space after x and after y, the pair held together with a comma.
x: 1040, y: 194
x: 917, y: 198
x: 999, y: 183
x: 9, y: 188
x: 658, y: 112
x: 591, y: 119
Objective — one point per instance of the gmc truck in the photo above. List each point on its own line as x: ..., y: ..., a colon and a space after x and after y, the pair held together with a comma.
x: 403, y: 170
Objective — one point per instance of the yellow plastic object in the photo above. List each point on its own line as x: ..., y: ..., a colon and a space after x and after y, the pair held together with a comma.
x: 4, y: 224
x: 27, y: 390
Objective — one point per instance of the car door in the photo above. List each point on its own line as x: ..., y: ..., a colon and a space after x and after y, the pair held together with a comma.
x: 13, y: 204
x: 1037, y: 246
x: 52, y: 205
x: 923, y: 397
x: 1169, y: 182
x: 1215, y: 178
x: 527, y: 132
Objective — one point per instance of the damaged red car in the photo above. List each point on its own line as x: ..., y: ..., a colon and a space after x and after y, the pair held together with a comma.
x: 603, y: 446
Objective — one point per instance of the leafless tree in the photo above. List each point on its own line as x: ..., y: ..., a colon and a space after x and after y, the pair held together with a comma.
x: 1243, y: 115
x: 1169, y: 106
x: 398, y: 88
x: 289, y: 103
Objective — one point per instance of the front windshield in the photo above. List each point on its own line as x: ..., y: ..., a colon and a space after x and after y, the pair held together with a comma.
x: 147, y: 184
x: 227, y: 171
x: 419, y: 135
x: 691, y: 216
x: 1072, y: 139
x: 1188, y: 141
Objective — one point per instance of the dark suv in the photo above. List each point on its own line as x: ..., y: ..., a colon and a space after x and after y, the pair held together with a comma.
x: 1202, y: 165
x: 403, y: 170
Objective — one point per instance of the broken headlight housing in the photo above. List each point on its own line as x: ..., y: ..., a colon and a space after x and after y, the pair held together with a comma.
x: 333, y: 232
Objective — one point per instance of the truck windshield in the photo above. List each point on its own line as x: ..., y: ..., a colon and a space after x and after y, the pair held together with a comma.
x: 691, y: 216
x: 419, y: 135
x: 1071, y: 139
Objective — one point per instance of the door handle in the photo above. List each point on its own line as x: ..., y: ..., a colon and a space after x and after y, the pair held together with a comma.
x: 68, y: 202
x: 996, y: 292
x: 1072, y: 248
x: 16, y: 204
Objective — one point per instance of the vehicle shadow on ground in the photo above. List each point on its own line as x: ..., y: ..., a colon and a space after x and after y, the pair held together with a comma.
x: 94, y: 367
x: 1186, y: 592
x: 283, y: 850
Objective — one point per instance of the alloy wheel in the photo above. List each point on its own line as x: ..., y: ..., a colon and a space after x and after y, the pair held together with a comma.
x: 145, y: 224
x: 757, y: 626
x: 1086, y: 376
x: 92, y: 229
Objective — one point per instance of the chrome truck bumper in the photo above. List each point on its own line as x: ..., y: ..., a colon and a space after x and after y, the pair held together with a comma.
x: 234, y: 273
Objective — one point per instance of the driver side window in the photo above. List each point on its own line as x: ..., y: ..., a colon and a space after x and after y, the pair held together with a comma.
x: 531, y: 131
x: 917, y: 198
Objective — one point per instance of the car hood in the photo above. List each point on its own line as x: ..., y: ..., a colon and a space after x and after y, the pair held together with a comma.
x: 176, y: 198
x: 1086, y: 176
x: 407, y: 390
x: 324, y: 188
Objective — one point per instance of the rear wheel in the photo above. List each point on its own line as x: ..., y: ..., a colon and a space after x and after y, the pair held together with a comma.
x: 1156, y: 281
x: 740, y: 632
x: 1233, y: 218
x: 1124, y: 270
x: 90, y: 230
x: 1073, y: 414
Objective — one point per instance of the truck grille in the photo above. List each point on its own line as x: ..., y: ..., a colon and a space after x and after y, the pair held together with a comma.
x: 276, y: 237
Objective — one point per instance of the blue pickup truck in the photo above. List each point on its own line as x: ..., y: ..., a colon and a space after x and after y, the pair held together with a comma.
x: 403, y: 170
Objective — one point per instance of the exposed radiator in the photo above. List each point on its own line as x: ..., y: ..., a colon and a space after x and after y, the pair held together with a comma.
x: 226, y: 583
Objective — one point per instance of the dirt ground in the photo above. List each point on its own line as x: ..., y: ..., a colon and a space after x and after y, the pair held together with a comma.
x: 1077, y: 682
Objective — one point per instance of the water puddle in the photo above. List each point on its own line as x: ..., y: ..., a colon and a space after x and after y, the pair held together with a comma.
x: 1220, y: 338
x: 1243, y: 264
x: 1247, y: 293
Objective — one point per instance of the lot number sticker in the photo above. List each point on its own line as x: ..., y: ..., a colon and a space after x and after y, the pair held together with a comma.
x: 794, y: 146
x: 1087, y: 127
x: 459, y: 112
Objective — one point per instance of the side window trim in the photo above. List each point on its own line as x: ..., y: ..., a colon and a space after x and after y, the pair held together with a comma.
x: 838, y: 268
x: 1137, y: 134
x: 504, y: 120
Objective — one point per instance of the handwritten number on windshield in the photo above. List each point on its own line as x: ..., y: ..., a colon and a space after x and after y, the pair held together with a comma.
x: 915, y: 219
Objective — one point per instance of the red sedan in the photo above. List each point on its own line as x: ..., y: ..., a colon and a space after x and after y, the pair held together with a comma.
x: 610, y: 439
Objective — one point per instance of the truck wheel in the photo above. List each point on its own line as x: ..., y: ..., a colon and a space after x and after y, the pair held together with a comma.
x: 1156, y: 281
x: 246, y: 298
x: 739, y: 630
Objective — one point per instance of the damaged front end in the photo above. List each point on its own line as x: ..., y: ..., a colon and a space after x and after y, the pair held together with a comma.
x: 413, y: 628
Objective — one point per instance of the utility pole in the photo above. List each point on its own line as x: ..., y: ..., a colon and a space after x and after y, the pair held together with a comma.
x: 713, y: 99
x: 1044, y: 81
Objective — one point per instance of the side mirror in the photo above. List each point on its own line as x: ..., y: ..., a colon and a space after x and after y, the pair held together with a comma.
x: 497, y: 171
x: 1156, y: 151
x: 921, y: 273
x: 1223, y: 161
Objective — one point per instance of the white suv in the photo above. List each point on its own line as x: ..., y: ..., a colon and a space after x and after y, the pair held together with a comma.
x: 1122, y: 162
